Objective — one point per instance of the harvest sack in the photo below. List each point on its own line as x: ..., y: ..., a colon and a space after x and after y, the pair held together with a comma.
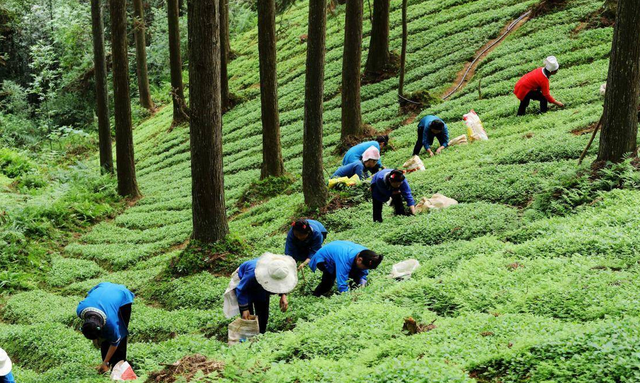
x: 354, y: 180
x: 404, y: 269
x: 123, y: 371
x: 230, y: 305
x: 475, y: 130
x: 414, y: 163
x: 241, y: 330
x: 460, y: 140
x: 437, y: 201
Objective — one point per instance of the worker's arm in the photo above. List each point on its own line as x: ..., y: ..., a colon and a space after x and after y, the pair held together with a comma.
x: 406, y: 193
x: 104, y: 367
x: 546, y: 92
x: 342, y: 277
x: 359, y: 168
x: 284, y: 303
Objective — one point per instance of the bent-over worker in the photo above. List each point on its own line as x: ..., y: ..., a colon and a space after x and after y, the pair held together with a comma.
x: 304, y: 239
x: 535, y: 86
x: 342, y: 261
x: 355, y: 153
x: 368, y: 163
x: 431, y: 127
x: 106, y: 312
x: 5, y: 368
x: 261, y: 277
x: 390, y: 183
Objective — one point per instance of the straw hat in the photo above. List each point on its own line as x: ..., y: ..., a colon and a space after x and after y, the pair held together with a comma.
x: 276, y: 273
x: 5, y: 363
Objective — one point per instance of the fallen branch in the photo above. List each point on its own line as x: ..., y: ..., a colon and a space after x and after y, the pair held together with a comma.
x: 593, y: 136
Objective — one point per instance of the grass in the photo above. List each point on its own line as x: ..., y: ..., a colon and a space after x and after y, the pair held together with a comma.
x: 532, y: 276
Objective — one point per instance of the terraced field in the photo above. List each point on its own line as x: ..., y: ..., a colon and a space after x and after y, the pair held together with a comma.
x: 518, y: 288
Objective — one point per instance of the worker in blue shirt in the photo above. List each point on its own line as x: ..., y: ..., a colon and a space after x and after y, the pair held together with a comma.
x: 106, y: 312
x: 5, y: 368
x: 261, y: 277
x: 431, y: 127
x: 390, y: 183
x: 342, y: 261
x: 362, y: 167
x: 304, y: 239
x: 355, y: 153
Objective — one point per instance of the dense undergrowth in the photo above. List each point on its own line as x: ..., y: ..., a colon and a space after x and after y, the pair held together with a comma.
x: 533, y: 276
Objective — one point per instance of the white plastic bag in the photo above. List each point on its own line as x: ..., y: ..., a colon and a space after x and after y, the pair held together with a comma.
x: 230, y: 300
x: 413, y: 164
x: 603, y: 89
x: 241, y: 330
x: 122, y: 371
x: 475, y: 130
x: 460, y: 140
x: 437, y: 201
x: 404, y: 269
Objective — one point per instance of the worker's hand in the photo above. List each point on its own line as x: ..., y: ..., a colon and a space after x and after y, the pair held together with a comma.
x: 302, y: 265
x: 413, y: 210
x: 246, y: 314
x: 560, y: 105
x: 102, y: 368
x: 439, y: 150
x: 430, y: 153
x: 284, y: 303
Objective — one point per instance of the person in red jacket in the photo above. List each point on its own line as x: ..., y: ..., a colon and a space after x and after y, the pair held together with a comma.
x: 535, y: 86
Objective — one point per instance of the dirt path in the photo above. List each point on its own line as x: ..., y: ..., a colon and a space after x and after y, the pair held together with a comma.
x: 466, y: 74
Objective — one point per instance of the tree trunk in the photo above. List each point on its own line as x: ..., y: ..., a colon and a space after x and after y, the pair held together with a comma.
x: 207, y: 177
x: 102, y: 97
x: 272, y: 164
x: 351, y: 114
x: 141, y: 55
x: 224, y: 54
x: 175, y: 60
x: 403, y: 54
x: 127, y: 184
x: 379, y: 58
x: 313, y: 184
x: 620, y: 119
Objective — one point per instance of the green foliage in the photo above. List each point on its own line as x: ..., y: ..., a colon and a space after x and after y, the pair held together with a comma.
x: 13, y: 164
x: 221, y: 257
x: 261, y: 190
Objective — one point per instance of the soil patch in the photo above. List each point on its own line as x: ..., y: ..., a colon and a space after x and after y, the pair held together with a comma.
x: 584, y: 130
x: 415, y: 102
x: 411, y: 327
x: 548, y: 6
x: 187, y: 368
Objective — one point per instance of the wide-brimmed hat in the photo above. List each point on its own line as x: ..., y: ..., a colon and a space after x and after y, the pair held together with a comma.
x: 276, y: 273
x: 5, y: 363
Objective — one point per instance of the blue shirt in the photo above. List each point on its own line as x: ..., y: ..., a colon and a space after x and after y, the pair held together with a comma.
x: 7, y: 378
x: 428, y: 135
x: 381, y: 190
x: 249, y: 290
x: 350, y: 170
x: 301, y: 250
x: 339, y: 259
x: 108, y: 298
x: 355, y: 153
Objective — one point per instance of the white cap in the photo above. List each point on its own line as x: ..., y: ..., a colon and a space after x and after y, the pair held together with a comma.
x: 371, y: 154
x: 5, y: 363
x: 551, y: 63
x: 276, y: 273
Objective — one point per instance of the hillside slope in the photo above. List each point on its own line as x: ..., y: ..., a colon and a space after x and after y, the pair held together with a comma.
x: 517, y: 288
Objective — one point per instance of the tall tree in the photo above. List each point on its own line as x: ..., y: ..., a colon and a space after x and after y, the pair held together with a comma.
x: 352, y: 55
x: 224, y: 54
x: 272, y: 164
x: 313, y: 185
x: 175, y: 63
x: 620, y: 118
x: 102, y: 98
x: 207, y: 177
x: 141, y: 55
x: 403, y: 53
x: 379, y: 57
x: 127, y: 184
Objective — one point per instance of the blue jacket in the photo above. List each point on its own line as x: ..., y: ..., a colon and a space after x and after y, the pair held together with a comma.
x: 7, y: 378
x: 107, y: 298
x: 355, y: 153
x: 381, y: 190
x: 249, y: 290
x: 299, y: 250
x: 428, y: 136
x: 352, y: 169
x: 339, y: 259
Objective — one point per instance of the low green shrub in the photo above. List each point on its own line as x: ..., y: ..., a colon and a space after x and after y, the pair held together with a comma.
x: 202, y: 290
x: 14, y: 164
x: 221, y: 257
x: 258, y: 191
x: 65, y: 271
x: 35, y: 307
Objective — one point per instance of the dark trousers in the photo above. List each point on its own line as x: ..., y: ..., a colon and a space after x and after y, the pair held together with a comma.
x: 418, y: 147
x: 121, y: 352
x: 396, y: 201
x: 533, y: 95
x: 329, y: 279
x: 261, y: 310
